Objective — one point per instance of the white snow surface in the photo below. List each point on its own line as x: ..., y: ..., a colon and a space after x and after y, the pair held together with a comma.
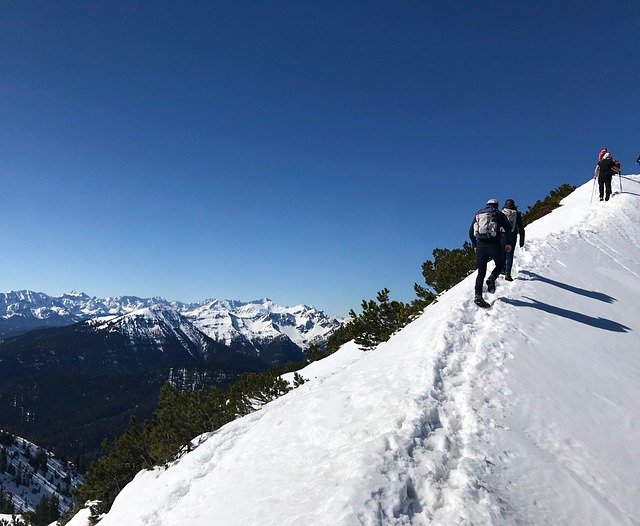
x: 348, y: 353
x: 526, y: 413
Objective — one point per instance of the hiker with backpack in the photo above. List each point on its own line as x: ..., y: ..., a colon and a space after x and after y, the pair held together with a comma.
x: 514, y: 217
x: 604, y: 172
x: 484, y: 234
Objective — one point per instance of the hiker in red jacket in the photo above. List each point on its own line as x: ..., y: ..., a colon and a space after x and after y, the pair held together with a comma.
x: 601, y: 153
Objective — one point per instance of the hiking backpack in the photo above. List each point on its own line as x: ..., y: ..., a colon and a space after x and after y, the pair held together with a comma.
x: 512, y: 216
x: 485, y: 225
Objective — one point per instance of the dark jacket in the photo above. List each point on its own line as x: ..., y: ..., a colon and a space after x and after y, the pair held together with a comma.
x: 518, y: 231
x: 503, y: 222
x: 605, y: 168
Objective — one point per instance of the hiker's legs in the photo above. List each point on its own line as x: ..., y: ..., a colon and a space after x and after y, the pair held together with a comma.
x: 496, y: 253
x: 508, y: 260
x: 607, y: 184
x: 481, y: 262
x: 601, y: 186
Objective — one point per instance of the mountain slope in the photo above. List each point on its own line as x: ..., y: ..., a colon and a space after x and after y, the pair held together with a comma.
x: 526, y: 413
x: 144, y: 339
x: 29, y: 473
x: 115, y: 365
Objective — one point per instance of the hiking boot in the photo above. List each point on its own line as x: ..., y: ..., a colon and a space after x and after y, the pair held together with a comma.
x: 479, y: 301
x: 508, y: 277
x: 491, y: 285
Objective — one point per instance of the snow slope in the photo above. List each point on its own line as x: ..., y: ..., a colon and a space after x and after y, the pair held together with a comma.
x: 59, y: 478
x: 527, y: 413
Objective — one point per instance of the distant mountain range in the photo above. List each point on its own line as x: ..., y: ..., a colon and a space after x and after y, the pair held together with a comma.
x: 74, y: 369
x: 247, y: 326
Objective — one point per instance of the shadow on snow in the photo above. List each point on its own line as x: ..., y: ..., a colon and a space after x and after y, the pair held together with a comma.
x: 599, y: 323
x: 583, y: 292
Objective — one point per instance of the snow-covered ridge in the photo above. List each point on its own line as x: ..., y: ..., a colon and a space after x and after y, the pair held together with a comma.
x: 526, y: 413
x: 226, y: 321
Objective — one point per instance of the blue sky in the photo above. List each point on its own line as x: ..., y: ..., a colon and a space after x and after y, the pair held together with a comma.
x: 310, y: 152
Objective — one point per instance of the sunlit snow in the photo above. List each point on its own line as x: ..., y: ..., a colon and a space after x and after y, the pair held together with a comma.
x: 527, y: 413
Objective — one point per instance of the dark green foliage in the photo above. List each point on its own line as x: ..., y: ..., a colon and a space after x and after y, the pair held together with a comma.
x: 288, y: 367
x: 315, y: 353
x: 338, y: 337
x: 86, y: 409
x: 46, y: 511
x: 423, y: 297
x: 6, y: 505
x: 544, y: 207
x: 298, y: 380
x: 106, y: 477
x: 39, y: 461
x: 253, y: 390
x: 379, y: 319
x: 180, y: 417
x: 6, y: 439
x: 448, y: 268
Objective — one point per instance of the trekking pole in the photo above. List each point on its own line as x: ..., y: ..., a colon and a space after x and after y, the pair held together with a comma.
x: 620, y: 179
x: 593, y: 190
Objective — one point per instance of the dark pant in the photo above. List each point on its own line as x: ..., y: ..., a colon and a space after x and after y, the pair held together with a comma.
x: 508, y: 256
x: 485, y: 252
x: 604, y: 182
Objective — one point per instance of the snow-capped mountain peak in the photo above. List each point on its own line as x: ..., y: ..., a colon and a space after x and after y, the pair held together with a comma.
x: 226, y: 321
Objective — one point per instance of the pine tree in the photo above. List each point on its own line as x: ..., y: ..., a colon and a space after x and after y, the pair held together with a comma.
x: 6, y: 504
x: 180, y: 417
x: 253, y: 390
x: 314, y: 352
x: 47, y: 511
x: 448, y: 268
x: 298, y: 380
x: 548, y: 204
x: 106, y: 477
x: 339, y: 337
x: 379, y: 320
x: 6, y: 439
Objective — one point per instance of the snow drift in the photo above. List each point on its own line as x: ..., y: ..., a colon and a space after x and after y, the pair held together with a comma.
x: 527, y: 413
